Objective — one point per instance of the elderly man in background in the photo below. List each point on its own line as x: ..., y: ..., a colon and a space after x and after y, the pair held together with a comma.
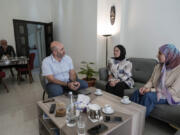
x: 6, y: 49
x: 59, y: 72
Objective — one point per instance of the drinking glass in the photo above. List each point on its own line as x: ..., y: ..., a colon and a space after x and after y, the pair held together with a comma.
x: 81, y: 126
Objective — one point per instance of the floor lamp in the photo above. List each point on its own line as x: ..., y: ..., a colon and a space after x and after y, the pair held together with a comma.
x: 107, y: 36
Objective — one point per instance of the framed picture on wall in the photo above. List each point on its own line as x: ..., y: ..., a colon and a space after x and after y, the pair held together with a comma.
x: 112, y: 14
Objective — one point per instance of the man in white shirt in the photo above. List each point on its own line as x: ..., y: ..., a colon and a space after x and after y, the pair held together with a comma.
x: 59, y: 72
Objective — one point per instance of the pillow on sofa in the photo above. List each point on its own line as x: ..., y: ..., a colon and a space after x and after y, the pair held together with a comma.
x: 103, y: 74
x: 142, y: 68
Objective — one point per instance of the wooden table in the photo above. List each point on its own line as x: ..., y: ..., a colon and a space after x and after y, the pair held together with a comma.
x: 133, y: 116
x: 14, y: 62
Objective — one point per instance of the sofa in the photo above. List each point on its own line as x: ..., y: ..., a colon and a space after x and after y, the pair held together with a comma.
x: 141, y: 72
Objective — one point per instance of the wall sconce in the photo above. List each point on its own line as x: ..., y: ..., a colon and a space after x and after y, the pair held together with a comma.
x: 107, y: 36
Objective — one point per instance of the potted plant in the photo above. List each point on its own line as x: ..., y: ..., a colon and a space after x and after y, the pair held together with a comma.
x: 87, y: 70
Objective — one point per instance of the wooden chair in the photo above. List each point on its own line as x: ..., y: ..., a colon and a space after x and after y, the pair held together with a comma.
x: 27, y: 70
x: 43, y: 83
x: 2, y: 75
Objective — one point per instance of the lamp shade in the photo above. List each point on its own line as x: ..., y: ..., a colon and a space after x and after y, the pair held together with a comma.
x: 107, y: 35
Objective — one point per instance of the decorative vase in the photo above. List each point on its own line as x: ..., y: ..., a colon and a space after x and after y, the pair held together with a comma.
x: 91, y: 81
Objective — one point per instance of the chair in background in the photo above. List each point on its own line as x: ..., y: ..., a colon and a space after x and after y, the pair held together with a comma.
x: 27, y: 70
x: 43, y: 83
x: 2, y: 75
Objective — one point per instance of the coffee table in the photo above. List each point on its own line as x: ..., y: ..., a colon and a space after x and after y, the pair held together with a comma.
x: 133, y: 116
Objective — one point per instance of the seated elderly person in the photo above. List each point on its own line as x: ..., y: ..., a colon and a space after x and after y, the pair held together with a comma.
x: 164, y: 84
x: 59, y: 72
x: 6, y: 49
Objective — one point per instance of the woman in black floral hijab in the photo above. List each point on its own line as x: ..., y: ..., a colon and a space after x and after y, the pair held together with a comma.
x: 119, y: 71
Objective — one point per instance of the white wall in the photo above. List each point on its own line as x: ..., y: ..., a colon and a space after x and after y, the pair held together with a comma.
x: 104, y: 27
x: 31, y: 10
x: 140, y: 25
x: 150, y: 24
x: 75, y: 24
x: 144, y: 25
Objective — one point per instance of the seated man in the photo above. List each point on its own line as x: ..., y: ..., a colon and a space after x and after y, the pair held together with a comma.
x: 59, y: 72
x: 6, y: 49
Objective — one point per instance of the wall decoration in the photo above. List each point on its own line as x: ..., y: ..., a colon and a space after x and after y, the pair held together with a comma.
x: 112, y: 14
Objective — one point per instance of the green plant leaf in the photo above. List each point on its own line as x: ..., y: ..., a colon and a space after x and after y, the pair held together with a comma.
x: 91, y: 62
x: 83, y: 62
x: 87, y: 70
x: 83, y: 68
x: 82, y: 72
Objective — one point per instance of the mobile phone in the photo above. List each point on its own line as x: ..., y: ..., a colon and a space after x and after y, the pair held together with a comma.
x: 112, y: 119
x: 117, y: 119
x: 97, y: 129
x: 52, y: 108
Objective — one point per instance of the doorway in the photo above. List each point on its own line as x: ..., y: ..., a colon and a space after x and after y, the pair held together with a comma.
x: 36, y: 40
x: 33, y: 37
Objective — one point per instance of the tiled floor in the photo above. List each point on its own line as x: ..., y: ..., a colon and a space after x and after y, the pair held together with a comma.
x: 18, y: 112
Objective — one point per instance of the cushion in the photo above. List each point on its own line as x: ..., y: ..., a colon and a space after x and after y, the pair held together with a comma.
x: 142, y: 69
x: 103, y: 74
x: 129, y: 92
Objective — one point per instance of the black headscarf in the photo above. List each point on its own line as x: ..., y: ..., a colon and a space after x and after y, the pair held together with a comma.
x: 122, y: 52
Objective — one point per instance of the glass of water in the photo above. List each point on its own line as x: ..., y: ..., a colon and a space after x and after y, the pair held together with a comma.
x: 81, y: 126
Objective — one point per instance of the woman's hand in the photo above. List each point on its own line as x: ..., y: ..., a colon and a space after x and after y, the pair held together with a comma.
x: 144, y: 90
x: 141, y: 90
x: 113, y: 83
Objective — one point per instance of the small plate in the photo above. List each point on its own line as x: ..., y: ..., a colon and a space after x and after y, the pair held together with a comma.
x: 98, y: 94
x: 122, y: 101
x: 110, y: 112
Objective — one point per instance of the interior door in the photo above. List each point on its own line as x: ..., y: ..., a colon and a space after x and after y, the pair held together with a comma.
x: 21, y: 38
x: 48, y: 37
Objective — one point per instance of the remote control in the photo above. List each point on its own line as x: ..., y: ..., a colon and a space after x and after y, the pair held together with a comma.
x: 52, y: 108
